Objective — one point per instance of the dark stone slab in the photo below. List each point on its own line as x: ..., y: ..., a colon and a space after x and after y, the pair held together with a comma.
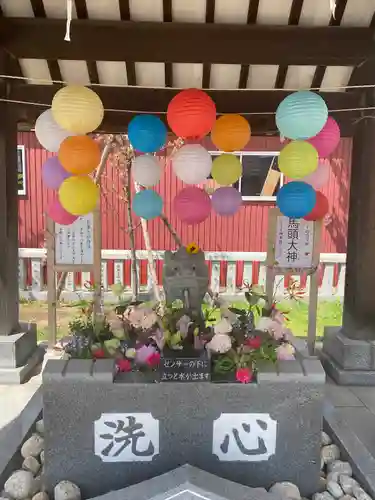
x: 15, y: 349
x: 346, y: 377
x: 188, y: 483
x: 85, y: 410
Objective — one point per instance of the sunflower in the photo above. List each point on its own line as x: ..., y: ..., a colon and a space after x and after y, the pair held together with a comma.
x: 192, y: 248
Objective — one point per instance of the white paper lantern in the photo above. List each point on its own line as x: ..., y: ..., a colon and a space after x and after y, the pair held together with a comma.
x: 49, y: 134
x: 192, y: 163
x: 146, y: 170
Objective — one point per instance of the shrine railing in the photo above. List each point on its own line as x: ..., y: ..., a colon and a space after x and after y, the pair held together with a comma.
x: 228, y: 270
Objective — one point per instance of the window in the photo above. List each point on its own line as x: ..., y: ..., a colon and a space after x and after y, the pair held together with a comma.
x: 21, y: 169
x: 261, y: 178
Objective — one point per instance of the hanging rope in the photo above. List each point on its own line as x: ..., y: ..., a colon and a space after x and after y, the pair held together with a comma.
x: 69, y: 9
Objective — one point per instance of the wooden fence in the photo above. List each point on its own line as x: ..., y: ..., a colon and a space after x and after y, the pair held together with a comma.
x: 229, y: 271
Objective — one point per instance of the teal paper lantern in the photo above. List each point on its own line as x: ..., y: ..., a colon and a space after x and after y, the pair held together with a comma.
x: 147, y: 204
x: 296, y: 199
x: 301, y: 115
x: 147, y: 133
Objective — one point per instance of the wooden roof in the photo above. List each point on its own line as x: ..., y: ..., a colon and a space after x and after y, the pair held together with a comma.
x: 143, y: 51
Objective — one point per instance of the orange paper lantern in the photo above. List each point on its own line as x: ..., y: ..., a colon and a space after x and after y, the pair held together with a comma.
x: 231, y: 133
x: 79, y: 154
x: 320, y: 209
x: 191, y: 114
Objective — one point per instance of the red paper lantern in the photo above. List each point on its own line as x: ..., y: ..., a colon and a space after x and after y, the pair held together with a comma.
x: 320, y: 209
x: 191, y: 113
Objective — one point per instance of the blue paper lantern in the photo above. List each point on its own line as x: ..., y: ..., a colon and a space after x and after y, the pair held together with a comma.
x: 296, y: 199
x: 301, y: 115
x: 147, y: 204
x: 147, y: 133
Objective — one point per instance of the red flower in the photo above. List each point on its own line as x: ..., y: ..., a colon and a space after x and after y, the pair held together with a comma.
x: 254, y: 342
x: 244, y: 375
x: 124, y: 365
x: 153, y: 359
x: 99, y: 354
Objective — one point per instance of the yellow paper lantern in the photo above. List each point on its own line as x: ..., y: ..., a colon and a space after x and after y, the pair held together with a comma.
x: 298, y: 159
x: 231, y: 133
x: 77, y: 109
x: 226, y: 169
x: 79, y: 195
x: 79, y: 154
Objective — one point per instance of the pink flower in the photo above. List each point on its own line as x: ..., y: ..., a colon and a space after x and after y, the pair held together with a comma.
x: 254, y: 342
x: 285, y: 352
x: 99, y: 354
x: 143, y: 353
x: 244, y: 375
x: 154, y: 359
x: 124, y: 365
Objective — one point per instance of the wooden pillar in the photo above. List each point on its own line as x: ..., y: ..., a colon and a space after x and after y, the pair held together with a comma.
x: 359, y: 302
x: 9, y: 292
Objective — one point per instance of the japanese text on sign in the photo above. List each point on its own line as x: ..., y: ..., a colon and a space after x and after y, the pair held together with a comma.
x: 74, y: 243
x: 185, y: 370
x: 294, y: 243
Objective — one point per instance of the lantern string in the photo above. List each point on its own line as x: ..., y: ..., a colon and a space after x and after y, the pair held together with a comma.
x: 163, y: 112
x: 46, y: 81
x: 69, y: 9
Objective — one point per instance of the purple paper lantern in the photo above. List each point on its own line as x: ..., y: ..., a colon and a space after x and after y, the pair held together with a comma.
x: 53, y: 173
x: 226, y: 200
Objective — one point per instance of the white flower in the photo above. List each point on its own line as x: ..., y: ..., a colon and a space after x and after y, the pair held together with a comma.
x: 220, y: 343
x: 130, y: 353
x: 223, y: 327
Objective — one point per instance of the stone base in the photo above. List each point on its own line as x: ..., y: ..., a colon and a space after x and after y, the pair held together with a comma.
x: 348, y: 361
x: 21, y: 374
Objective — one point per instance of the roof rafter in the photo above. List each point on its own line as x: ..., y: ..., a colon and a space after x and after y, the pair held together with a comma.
x: 94, y: 40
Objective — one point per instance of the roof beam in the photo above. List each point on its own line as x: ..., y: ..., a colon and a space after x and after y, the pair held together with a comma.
x: 132, y: 100
x: 94, y: 40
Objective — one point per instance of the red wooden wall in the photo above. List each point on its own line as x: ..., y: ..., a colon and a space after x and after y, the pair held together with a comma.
x: 244, y: 232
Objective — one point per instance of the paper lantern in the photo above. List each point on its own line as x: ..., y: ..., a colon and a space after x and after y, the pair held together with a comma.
x: 226, y: 169
x: 146, y: 170
x: 191, y: 113
x: 79, y: 154
x: 147, y: 133
x: 49, y: 134
x: 59, y: 215
x: 301, y: 115
x: 147, y: 204
x: 192, y: 205
x: 226, y: 201
x: 231, y: 133
x: 192, y: 163
x: 319, y: 177
x: 77, y: 109
x: 53, y: 173
x: 298, y: 159
x: 79, y: 195
x: 296, y: 199
x: 320, y: 209
x: 328, y: 138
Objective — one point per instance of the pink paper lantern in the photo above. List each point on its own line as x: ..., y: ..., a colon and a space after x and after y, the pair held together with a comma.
x: 319, y: 177
x: 328, y: 138
x: 59, y: 215
x: 226, y: 200
x: 192, y: 205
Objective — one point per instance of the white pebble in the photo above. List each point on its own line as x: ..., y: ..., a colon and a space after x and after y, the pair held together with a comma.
x: 326, y: 440
x: 335, y: 489
x: 341, y: 467
x: 42, y: 457
x: 33, y: 446
x: 42, y: 495
x: 31, y: 464
x: 65, y: 490
x: 347, y: 483
x: 20, y: 485
x: 286, y: 491
x: 347, y: 497
x: 360, y: 493
x: 39, y: 427
x: 322, y: 496
x: 333, y: 476
x: 330, y: 453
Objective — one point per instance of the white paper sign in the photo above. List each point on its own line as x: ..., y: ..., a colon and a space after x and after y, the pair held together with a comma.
x: 294, y: 243
x: 74, y: 244
x: 126, y: 437
x: 244, y: 437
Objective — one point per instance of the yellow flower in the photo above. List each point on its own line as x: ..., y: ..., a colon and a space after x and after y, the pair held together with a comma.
x: 192, y: 248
